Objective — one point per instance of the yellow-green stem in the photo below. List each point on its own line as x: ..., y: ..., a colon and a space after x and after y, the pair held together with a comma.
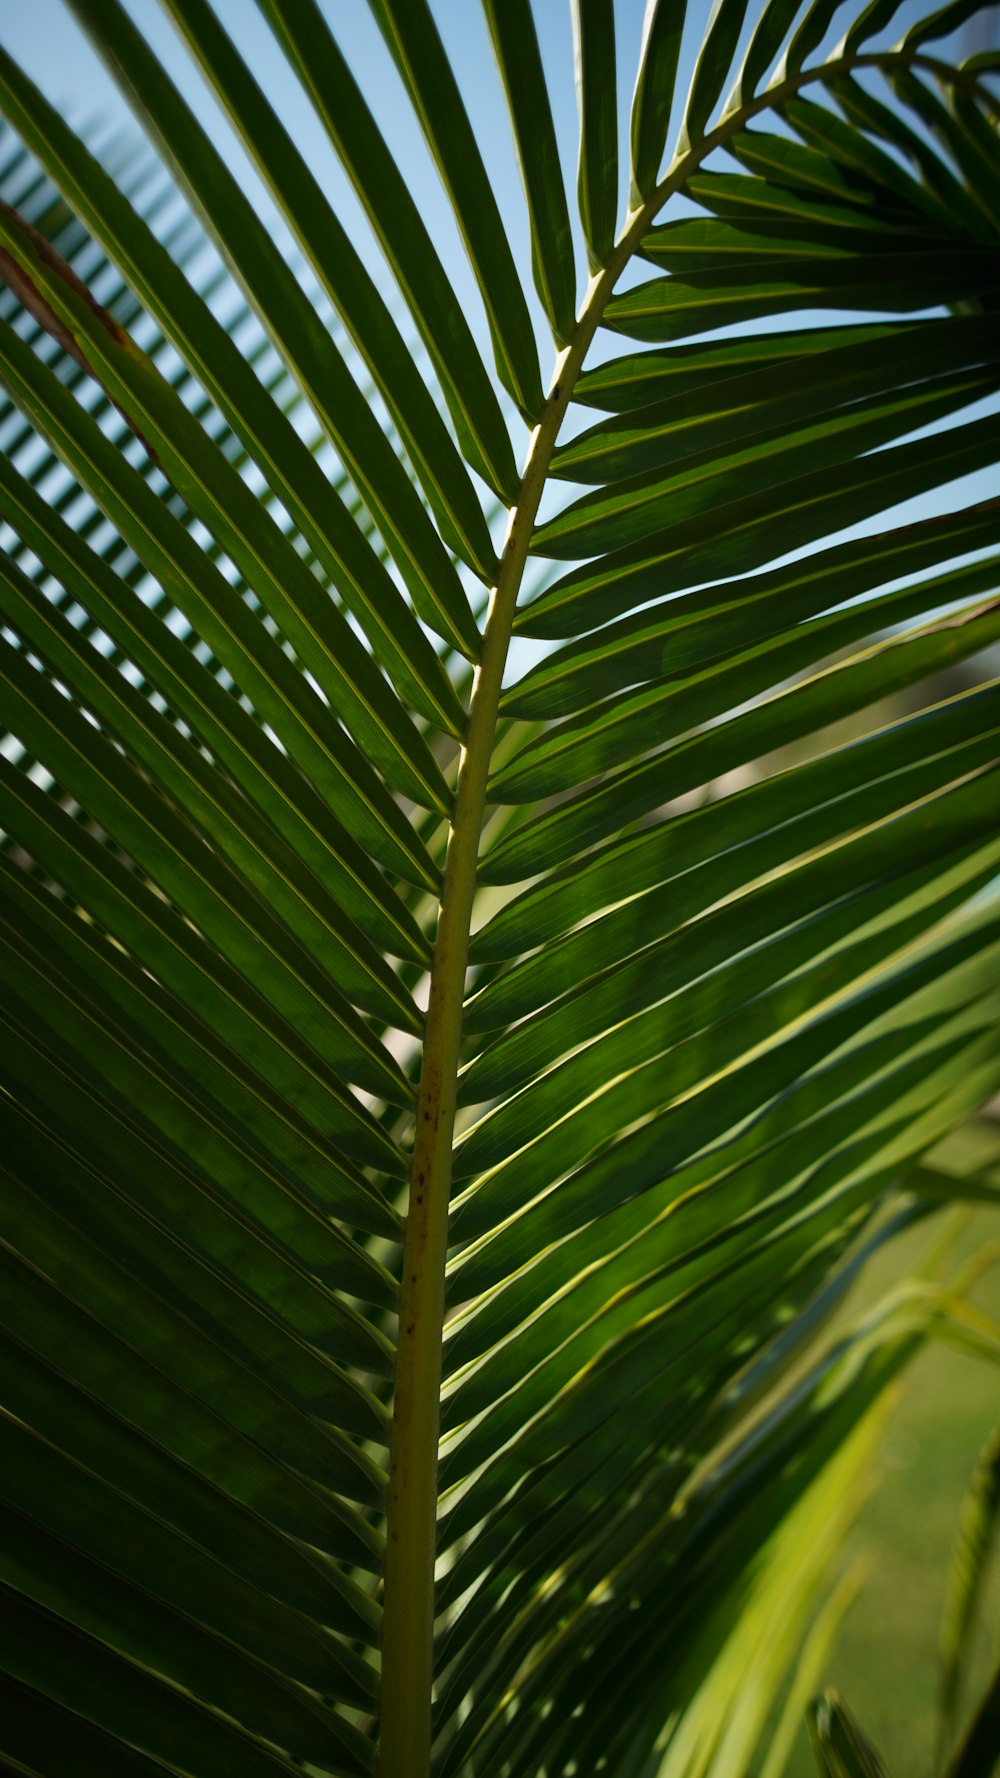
x: 412, y: 1505
x: 411, y: 1515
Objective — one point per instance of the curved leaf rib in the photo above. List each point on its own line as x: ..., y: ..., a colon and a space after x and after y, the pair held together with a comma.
x: 411, y: 1515
x: 411, y: 1511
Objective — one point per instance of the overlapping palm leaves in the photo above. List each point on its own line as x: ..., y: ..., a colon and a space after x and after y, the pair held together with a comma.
x: 735, y: 959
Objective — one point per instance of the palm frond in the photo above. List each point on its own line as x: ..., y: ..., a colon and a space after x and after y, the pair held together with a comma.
x: 663, y: 966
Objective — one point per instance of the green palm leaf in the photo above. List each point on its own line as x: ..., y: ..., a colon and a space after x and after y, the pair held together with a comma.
x: 973, y: 1541
x: 447, y: 1098
x: 597, y: 178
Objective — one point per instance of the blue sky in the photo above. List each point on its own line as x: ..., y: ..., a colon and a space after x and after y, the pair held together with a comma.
x: 44, y: 39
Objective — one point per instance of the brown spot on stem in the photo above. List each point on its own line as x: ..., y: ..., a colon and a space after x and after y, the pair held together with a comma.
x: 31, y: 298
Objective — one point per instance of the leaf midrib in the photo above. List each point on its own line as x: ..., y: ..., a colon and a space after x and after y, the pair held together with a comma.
x: 411, y: 1513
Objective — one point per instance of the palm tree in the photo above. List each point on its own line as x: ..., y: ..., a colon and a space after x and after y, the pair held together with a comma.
x: 446, y: 1103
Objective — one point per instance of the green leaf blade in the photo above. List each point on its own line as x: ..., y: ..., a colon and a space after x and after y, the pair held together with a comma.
x: 597, y: 178
x: 515, y: 45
